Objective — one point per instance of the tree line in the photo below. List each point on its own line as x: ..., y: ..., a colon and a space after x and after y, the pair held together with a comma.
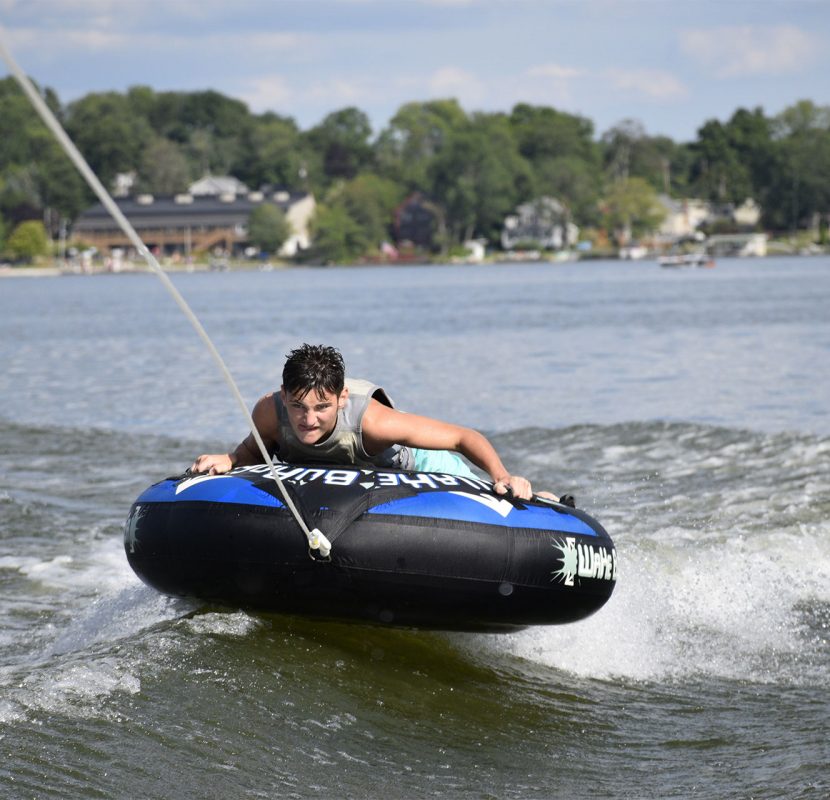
x: 473, y: 168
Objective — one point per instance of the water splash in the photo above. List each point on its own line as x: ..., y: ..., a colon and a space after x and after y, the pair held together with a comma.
x: 724, y: 549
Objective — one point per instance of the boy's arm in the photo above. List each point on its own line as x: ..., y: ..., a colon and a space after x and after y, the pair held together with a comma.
x: 383, y: 427
x: 246, y: 452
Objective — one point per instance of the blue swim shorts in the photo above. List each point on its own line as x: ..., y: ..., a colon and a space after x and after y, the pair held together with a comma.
x: 441, y: 461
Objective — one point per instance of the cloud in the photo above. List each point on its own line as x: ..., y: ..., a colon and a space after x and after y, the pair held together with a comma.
x: 267, y: 93
x: 340, y: 92
x: 737, y: 51
x: 651, y: 84
x: 654, y: 84
x: 555, y: 71
x: 277, y: 92
x: 550, y: 84
x: 455, y: 82
x: 53, y: 44
x: 116, y: 13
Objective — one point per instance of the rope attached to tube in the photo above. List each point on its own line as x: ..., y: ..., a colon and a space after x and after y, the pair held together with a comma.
x: 316, y: 540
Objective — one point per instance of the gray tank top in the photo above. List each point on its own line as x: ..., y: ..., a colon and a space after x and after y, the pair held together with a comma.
x: 345, y: 443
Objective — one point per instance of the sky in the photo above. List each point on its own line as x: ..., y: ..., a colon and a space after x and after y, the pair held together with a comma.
x: 670, y: 64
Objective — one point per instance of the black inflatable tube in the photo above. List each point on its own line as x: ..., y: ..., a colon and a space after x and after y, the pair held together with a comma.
x: 408, y: 550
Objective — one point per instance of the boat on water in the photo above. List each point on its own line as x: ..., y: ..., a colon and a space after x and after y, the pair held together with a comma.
x: 699, y: 259
x: 408, y: 549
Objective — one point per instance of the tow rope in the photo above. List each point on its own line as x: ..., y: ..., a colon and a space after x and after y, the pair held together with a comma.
x: 317, y: 542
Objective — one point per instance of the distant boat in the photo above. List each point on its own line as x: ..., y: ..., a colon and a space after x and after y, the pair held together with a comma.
x: 686, y: 260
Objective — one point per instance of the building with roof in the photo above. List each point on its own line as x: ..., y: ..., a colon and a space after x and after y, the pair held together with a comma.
x: 419, y: 222
x: 543, y: 223
x: 191, y: 223
x: 684, y: 216
x: 215, y: 185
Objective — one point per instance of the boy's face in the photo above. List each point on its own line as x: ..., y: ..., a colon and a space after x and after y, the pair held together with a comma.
x: 313, y: 416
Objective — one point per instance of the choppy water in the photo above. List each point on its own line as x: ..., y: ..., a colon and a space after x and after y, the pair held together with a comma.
x: 686, y: 410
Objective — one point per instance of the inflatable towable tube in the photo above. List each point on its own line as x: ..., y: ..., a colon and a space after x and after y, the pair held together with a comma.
x: 410, y: 549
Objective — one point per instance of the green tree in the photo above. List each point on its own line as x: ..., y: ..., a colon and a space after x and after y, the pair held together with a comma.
x: 414, y: 137
x: 177, y: 115
x: 628, y: 151
x: 473, y: 168
x: 750, y: 135
x: 28, y: 241
x: 268, y: 228
x: 108, y: 133
x: 480, y: 177
x: 798, y: 184
x: 564, y: 160
x: 576, y: 183
x: 40, y: 179
x: 336, y: 237
x: 619, y: 144
x: 370, y: 201
x: 543, y: 132
x: 199, y: 149
x: 342, y: 140
x: 17, y: 119
x: 225, y: 117
x: 717, y: 171
x: 226, y: 121
x: 61, y: 189
x: 20, y: 196
x: 142, y: 101
x: 799, y: 118
x: 163, y: 168
x: 274, y: 153
x: 630, y: 208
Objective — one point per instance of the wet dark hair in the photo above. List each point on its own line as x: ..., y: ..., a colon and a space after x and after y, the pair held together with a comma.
x: 314, y: 366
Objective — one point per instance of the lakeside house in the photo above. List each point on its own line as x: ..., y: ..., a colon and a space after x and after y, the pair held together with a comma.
x: 212, y: 216
x: 542, y: 223
x: 737, y: 244
x: 684, y: 216
x: 418, y: 222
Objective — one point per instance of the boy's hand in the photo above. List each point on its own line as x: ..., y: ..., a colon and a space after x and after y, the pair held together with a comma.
x: 217, y: 464
x: 519, y: 487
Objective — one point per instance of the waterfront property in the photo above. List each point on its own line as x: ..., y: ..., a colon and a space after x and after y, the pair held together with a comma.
x: 738, y: 244
x: 684, y: 216
x: 191, y: 223
x: 419, y: 222
x: 543, y: 223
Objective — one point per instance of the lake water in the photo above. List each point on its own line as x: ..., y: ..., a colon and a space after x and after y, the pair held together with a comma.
x: 685, y: 409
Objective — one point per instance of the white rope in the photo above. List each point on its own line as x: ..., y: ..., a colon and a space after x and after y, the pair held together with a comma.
x: 316, y: 540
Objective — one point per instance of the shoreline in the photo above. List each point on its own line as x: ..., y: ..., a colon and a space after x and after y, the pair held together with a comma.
x: 7, y: 271
x: 131, y: 269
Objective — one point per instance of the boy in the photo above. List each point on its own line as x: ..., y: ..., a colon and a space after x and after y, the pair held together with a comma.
x: 320, y: 416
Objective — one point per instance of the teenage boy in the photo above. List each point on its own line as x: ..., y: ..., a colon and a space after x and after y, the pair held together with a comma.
x: 320, y: 416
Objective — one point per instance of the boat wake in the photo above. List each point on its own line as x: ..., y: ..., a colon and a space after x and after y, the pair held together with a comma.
x: 723, y: 540
x: 722, y: 536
